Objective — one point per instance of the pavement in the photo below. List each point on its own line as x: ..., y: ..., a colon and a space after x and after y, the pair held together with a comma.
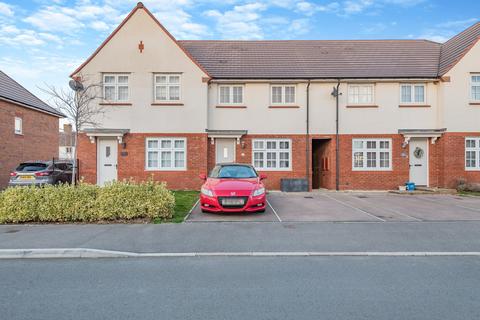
x: 261, y: 288
x: 250, y: 237
x: 354, y: 207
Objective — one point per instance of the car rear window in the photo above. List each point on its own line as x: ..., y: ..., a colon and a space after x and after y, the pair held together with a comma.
x: 31, y: 167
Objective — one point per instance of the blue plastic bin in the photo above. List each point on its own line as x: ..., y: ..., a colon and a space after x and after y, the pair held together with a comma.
x: 410, y: 186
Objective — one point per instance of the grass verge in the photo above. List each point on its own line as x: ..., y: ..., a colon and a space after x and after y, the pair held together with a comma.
x: 184, y: 201
x: 469, y: 193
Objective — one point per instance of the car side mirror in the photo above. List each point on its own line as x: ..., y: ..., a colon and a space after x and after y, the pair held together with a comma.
x: 263, y: 176
x: 202, y: 176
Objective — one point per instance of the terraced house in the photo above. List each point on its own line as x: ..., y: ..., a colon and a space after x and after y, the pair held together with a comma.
x: 346, y: 114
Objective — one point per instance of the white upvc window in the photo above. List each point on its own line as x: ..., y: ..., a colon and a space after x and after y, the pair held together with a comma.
x: 230, y: 94
x: 167, y: 87
x: 361, y: 94
x: 272, y: 154
x: 371, y: 154
x: 115, y: 87
x: 475, y: 87
x: 283, y: 94
x: 166, y: 154
x: 18, y: 125
x: 472, y: 153
x: 413, y: 93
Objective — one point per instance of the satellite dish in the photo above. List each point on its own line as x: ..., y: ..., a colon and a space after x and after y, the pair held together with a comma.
x: 75, y: 85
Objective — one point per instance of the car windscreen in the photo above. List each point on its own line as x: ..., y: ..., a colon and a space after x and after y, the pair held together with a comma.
x: 233, y: 172
x: 31, y: 167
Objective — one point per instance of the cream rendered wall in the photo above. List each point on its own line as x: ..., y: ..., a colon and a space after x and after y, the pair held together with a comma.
x: 459, y: 116
x: 161, y: 54
x: 257, y: 118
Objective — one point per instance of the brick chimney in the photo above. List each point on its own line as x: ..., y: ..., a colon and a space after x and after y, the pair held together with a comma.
x: 67, y: 128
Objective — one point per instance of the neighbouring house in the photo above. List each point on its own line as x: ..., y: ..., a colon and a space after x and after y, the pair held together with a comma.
x: 66, y: 145
x: 28, y: 127
x: 408, y: 110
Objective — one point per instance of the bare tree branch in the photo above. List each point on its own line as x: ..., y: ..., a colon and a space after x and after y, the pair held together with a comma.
x: 79, y: 107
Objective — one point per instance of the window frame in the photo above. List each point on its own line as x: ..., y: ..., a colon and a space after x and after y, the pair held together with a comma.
x: 474, y: 84
x: 116, y: 84
x: 283, y: 102
x: 412, y: 88
x: 475, y: 149
x: 230, y: 94
x: 168, y: 85
x: 351, y: 85
x: 377, y: 151
x: 18, y: 120
x: 172, y: 150
x: 277, y: 151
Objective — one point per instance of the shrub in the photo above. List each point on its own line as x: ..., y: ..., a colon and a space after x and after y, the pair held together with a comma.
x: 128, y: 200
x: 86, y: 203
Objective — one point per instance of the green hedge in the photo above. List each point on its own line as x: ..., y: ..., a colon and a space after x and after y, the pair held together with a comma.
x: 86, y: 203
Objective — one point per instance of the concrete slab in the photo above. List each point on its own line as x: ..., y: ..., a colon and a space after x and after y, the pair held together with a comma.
x: 314, y: 207
x: 198, y: 216
x: 367, y: 202
x: 426, y: 207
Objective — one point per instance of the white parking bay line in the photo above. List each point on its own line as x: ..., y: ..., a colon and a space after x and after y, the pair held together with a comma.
x: 394, y: 211
x: 191, y: 210
x: 456, y: 205
x: 275, y: 212
x: 352, y: 207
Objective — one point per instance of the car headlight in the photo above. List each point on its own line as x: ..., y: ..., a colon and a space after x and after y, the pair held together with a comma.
x: 259, y: 192
x: 207, y: 192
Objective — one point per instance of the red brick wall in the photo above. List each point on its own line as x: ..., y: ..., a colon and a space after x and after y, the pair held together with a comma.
x: 446, y: 161
x: 87, y: 159
x: 39, y: 140
x: 452, y: 159
x: 132, y: 164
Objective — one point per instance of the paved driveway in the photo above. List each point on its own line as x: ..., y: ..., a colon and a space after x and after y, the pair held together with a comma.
x: 356, y: 207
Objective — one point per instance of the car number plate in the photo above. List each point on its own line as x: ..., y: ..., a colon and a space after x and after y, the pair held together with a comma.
x: 27, y: 177
x: 232, y: 202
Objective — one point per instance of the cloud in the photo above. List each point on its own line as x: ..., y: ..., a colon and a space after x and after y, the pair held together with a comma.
x: 6, y: 9
x: 458, y: 23
x: 299, y: 27
x: 444, y: 31
x: 99, y: 26
x: 309, y: 8
x: 242, y: 22
x: 180, y: 24
x: 357, y: 6
x: 51, y: 19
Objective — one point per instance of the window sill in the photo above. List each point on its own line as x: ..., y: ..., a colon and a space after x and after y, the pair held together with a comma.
x: 414, y: 106
x: 274, y: 170
x: 115, y: 104
x: 19, y: 134
x: 167, y: 169
x: 472, y: 169
x: 167, y: 104
x: 371, y: 170
x: 361, y: 106
x: 284, y: 107
x: 474, y: 103
x: 231, y: 107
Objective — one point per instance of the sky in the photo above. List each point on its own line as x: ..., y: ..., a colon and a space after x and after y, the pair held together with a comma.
x: 42, y: 42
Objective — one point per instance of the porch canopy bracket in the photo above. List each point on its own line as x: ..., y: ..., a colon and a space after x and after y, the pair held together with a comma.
x: 232, y: 134
x: 433, y: 134
x: 92, y: 133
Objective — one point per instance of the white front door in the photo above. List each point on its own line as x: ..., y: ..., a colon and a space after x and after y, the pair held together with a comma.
x: 419, y: 161
x: 106, y: 160
x: 225, y: 150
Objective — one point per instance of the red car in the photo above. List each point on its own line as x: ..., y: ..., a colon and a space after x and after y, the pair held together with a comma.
x: 233, y: 188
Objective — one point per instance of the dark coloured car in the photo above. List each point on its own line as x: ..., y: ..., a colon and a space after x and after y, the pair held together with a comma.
x: 41, y: 172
